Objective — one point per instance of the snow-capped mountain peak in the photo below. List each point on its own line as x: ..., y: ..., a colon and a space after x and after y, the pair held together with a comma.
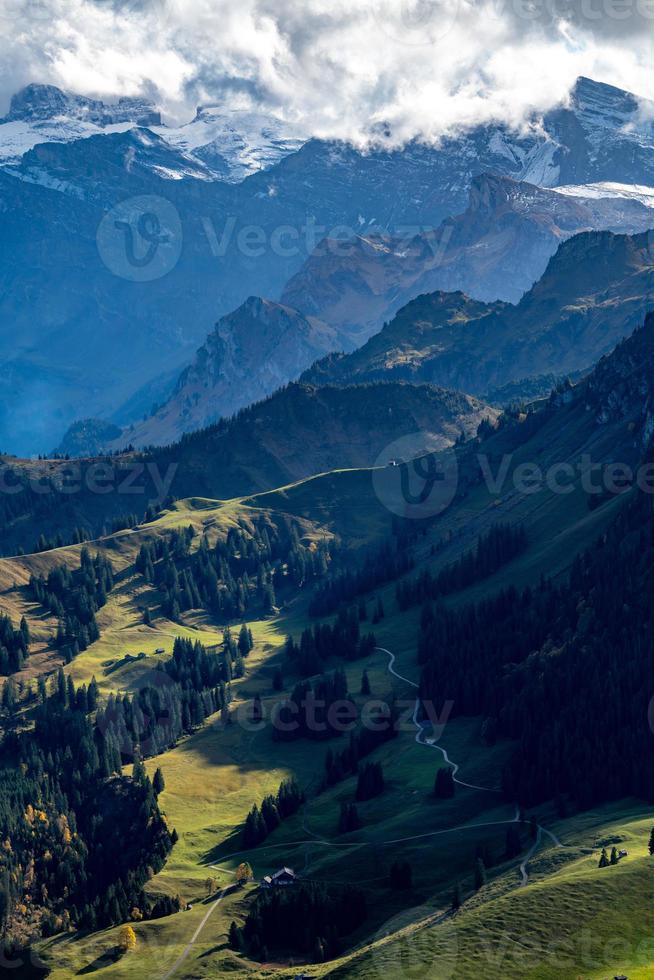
x: 46, y: 114
x: 235, y: 140
x: 230, y: 142
x: 600, y: 107
x: 45, y: 103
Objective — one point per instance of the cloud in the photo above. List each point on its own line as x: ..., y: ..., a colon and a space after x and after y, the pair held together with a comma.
x: 334, y: 67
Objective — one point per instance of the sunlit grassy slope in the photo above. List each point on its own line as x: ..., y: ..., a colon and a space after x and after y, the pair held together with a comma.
x: 214, y: 777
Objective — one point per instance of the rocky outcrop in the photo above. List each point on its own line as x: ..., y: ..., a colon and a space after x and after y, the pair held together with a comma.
x: 39, y: 103
x: 496, y: 249
x: 596, y: 290
x: 251, y: 352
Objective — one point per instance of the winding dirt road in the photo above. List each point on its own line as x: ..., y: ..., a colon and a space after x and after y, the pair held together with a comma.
x: 316, y: 841
x: 421, y: 739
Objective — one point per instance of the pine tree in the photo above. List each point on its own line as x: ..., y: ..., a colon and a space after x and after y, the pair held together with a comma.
x: 158, y: 782
x: 365, y: 684
x: 257, y: 709
x: 235, y: 937
x: 603, y: 861
x: 480, y: 874
x: 244, y: 641
x: 25, y: 631
x: 651, y: 842
x: 614, y: 856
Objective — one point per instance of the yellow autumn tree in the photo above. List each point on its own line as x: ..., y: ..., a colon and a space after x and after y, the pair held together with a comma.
x: 127, y: 939
x: 244, y: 872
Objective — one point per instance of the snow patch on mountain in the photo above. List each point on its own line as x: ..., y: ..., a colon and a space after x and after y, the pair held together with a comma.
x: 608, y: 189
x: 236, y: 141
x: 19, y: 137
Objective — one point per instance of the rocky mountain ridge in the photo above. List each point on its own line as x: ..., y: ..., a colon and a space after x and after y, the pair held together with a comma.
x: 365, y: 281
x: 597, y: 289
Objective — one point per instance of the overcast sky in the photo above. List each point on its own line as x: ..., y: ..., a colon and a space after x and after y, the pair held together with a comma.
x: 333, y: 66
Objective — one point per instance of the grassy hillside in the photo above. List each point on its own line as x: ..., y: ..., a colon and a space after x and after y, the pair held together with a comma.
x: 297, y: 432
x: 551, y: 892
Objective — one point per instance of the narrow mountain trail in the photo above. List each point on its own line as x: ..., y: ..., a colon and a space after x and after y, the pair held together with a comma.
x: 421, y: 734
x: 189, y: 946
x: 421, y: 739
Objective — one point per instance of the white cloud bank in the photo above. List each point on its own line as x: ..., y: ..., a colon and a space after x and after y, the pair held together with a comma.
x: 335, y: 67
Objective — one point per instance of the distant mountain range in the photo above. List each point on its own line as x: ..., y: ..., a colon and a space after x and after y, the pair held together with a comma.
x: 223, y: 142
x: 496, y: 249
x: 251, y: 353
x: 85, y: 339
x: 595, y: 291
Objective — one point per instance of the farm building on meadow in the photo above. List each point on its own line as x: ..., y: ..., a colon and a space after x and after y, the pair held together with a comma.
x: 280, y: 879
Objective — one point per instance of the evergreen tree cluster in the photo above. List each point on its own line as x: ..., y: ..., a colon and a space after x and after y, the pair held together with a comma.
x: 27, y: 504
x: 14, y: 645
x: 77, y: 536
x: 370, y: 781
x: 78, y: 841
x: 245, y: 571
x: 379, y: 567
x: 75, y: 597
x: 349, y: 819
x: 307, y: 712
x: 540, y: 663
x: 262, y: 820
x: 341, y: 765
x: 181, y: 694
x: 307, y: 919
x: 500, y: 545
x: 342, y: 640
x: 125, y: 521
